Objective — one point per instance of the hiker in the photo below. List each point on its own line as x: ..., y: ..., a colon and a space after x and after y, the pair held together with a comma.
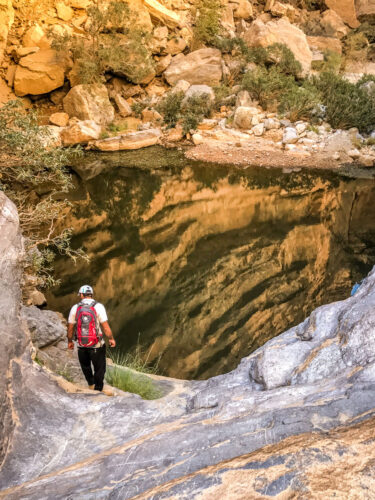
x: 86, y: 323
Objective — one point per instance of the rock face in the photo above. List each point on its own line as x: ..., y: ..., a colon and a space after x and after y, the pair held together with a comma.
x: 6, y: 21
x: 134, y: 140
x: 365, y: 10
x: 45, y: 326
x: 288, y: 420
x: 201, y: 67
x: 346, y: 10
x: 38, y: 73
x: 89, y: 102
x: 162, y: 13
x: 282, y: 31
x: 333, y: 24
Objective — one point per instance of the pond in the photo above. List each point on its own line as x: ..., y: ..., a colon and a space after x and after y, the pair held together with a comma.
x: 201, y: 264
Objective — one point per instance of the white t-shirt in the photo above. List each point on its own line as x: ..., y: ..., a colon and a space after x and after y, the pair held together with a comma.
x: 100, y: 312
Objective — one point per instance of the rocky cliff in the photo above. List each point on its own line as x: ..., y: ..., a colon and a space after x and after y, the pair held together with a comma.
x: 297, y: 411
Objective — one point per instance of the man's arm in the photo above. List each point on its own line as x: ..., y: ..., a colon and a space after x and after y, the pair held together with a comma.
x: 108, y: 333
x: 70, y: 333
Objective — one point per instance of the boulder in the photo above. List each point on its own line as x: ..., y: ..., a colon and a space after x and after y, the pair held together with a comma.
x: 244, y: 10
x: 151, y: 116
x: 181, y: 86
x: 123, y: 107
x: 346, y: 10
x: 321, y: 44
x: 36, y: 37
x: 134, y: 140
x: 339, y: 142
x: 243, y: 99
x: 197, y: 139
x: 38, y: 73
x: 59, y: 119
x: 262, y: 34
x: 45, y: 327
x: 80, y: 132
x: 201, y: 67
x: 162, y: 64
x: 174, y: 134
x: 243, y: 117
x: 365, y: 10
x: 333, y: 24
x: 159, y: 39
x: 64, y: 12
x: 163, y: 14
x: 198, y: 91
x: 89, y: 102
x: 175, y: 46
x: 290, y: 135
x: 6, y: 21
x: 258, y: 129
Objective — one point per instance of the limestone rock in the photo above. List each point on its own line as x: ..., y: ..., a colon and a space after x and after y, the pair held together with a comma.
x: 243, y: 117
x: 258, y: 129
x: 80, y: 132
x: 365, y: 10
x: 201, y: 67
x: 290, y: 135
x: 45, y: 326
x: 244, y: 10
x: 339, y: 142
x: 181, y: 86
x: 151, y: 116
x: 243, y: 99
x: 122, y: 106
x: 163, y: 14
x: 197, y: 91
x: 333, y: 24
x: 36, y: 37
x: 64, y: 12
x: 175, y: 46
x: 134, y: 140
x: 162, y: 64
x: 282, y: 31
x: 79, y: 4
x: 321, y: 44
x: 89, y: 102
x: 197, y: 139
x: 6, y: 21
x: 59, y: 119
x: 174, y: 134
x: 159, y: 39
x: 346, y: 9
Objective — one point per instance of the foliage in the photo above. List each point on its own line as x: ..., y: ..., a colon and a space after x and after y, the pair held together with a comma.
x: 208, y: 21
x: 114, y: 42
x: 139, y: 106
x: 170, y: 108
x: 34, y: 176
x: 283, y: 58
x: 347, y: 104
x: 194, y: 110
x: 127, y: 374
x: 267, y: 86
x: 356, y: 45
x: 300, y: 103
x: 222, y: 93
x: 331, y: 63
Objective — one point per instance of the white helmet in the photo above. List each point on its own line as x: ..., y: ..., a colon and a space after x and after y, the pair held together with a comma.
x: 86, y: 290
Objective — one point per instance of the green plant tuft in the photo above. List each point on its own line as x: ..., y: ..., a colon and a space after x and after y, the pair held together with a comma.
x: 170, y: 108
x: 208, y: 25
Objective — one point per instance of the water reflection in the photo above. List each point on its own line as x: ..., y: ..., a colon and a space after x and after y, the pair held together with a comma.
x: 205, y: 263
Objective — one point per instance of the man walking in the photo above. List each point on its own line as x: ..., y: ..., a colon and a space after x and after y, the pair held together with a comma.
x: 87, y: 321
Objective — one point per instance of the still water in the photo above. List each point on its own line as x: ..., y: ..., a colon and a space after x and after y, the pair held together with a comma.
x: 201, y: 264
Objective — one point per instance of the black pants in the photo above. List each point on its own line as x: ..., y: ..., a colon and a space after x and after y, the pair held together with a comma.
x: 96, y: 357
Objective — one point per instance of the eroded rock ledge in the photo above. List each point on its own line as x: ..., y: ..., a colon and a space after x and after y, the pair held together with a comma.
x: 273, y: 424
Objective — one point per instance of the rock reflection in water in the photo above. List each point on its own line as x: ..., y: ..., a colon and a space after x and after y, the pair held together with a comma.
x: 206, y: 263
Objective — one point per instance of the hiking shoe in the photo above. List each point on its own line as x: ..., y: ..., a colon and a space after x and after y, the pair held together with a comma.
x: 92, y: 386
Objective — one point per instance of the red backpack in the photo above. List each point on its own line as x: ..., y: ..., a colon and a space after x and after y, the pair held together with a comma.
x: 87, y: 325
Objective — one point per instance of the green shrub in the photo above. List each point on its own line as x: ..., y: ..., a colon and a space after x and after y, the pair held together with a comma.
x: 283, y: 58
x: 299, y: 103
x: 170, y: 108
x: 347, y: 105
x: 331, y: 63
x: 194, y: 110
x: 267, y: 86
x: 208, y: 25
x: 114, y: 42
x: 139, y: 106
x: 222, y: 92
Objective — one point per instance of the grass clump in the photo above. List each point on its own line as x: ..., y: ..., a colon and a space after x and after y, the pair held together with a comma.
x: 129, y: 374
x: 300, y: 103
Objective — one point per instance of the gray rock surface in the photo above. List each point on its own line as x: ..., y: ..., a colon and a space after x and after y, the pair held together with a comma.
x: 45, y: 327
x: 308, y: 381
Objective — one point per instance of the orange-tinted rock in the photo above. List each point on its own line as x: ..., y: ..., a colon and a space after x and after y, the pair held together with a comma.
x: 346, y: 10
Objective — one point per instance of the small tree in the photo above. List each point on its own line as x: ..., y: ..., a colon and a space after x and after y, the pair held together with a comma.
x: 34, y: 176
x: 114, y: 42
x: 208, y: 25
